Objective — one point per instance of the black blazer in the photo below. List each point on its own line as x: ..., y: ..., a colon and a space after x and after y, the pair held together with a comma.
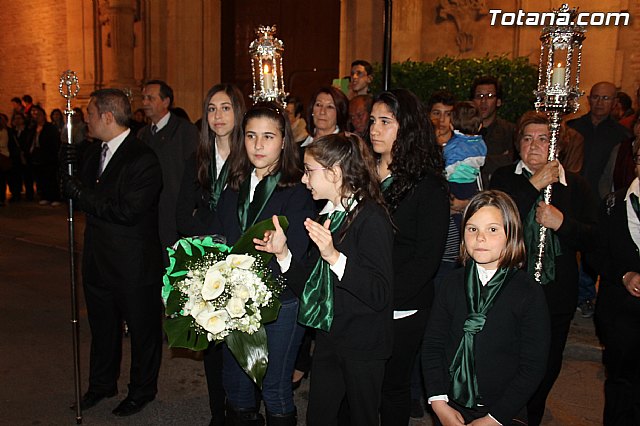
x: 294, y: 202
x: 422, y: 223
x: 173, y: 145
x: 121, y: 235
x: 578, y: 231
x: 617, y: 254
x: 193, y: 215
x: 363, y: 313
x: 510, y: 351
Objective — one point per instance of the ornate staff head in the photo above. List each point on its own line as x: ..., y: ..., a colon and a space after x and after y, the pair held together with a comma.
x: 558, y: 87
x: 266, y: 63
x: 69, y: 88
x: 560, y: 60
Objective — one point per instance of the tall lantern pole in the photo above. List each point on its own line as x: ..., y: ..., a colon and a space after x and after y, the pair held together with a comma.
x: 69, y: 88
x: 558, y: 88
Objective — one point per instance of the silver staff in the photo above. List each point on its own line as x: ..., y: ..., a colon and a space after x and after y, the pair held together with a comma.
x: 558, y: 92
x: 69, y: 88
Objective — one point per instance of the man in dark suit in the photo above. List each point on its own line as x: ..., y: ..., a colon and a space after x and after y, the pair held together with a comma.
x: 174, y: 140
x: 118, y: 186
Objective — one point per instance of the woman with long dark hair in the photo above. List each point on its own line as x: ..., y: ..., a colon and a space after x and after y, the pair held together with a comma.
x: 205, y: 176
x: 410, y: 170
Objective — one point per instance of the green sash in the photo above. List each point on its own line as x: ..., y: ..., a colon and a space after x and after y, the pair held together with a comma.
x: 385, y: 184
x: 248, y: 212
x: 316, y: 302
x: 531, y: 230
x: 217, y: 182
x: 480, y: 299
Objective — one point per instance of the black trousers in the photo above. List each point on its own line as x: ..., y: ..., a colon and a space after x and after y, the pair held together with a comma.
x: 108, y: 304
x: 618, y: 326
x: 213, y: 372
x: 560, y: 324
x: 336, y: 377
x: 396, y: 387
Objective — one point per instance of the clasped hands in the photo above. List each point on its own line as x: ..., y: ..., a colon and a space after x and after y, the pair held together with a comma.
x: 275, y: 241
x: 449, y: 416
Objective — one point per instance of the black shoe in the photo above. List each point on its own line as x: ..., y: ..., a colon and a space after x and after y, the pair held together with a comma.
x: 289, y: 419
x: 91, y: 399
x: 130, y: 406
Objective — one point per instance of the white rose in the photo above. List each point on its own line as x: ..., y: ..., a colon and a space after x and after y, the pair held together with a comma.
x: 235, y: 307
x: 243, y: 292
x: 213, y: 284
x: 241, y: 261
x: 213, y: 321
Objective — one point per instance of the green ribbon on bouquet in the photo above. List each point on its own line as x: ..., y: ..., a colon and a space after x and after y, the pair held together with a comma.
x: 250, y: 350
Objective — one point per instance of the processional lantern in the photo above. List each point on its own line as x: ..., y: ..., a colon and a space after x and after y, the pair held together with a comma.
x: 558, y: 86
x: 266, y: 64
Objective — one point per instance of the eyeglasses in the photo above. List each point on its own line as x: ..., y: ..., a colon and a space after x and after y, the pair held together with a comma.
x: 596, y: 98
x: 481, y: 96
x: 308, y: 170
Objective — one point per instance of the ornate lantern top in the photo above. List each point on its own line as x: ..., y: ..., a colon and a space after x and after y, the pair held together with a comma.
x: 560, y: 61
x: 266, y: 63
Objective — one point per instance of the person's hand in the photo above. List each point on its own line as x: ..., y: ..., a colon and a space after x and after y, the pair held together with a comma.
x: 274, y: 241
x: 321, y: 236
x: 70, y: 186
x: 484, y: 421
x: 631, y: 281
x: 547, y: 174
x: 549, y: 216
x: 447, y: 415
x: 68, y: 155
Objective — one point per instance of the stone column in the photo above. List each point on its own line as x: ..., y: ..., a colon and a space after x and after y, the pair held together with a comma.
x: 116, y: 17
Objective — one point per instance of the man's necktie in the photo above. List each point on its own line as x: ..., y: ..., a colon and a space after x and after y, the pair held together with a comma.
x: 154, y: 129
x: 103, y: 158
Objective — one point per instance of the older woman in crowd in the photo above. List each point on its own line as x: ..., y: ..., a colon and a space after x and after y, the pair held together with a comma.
x: 570, y: 220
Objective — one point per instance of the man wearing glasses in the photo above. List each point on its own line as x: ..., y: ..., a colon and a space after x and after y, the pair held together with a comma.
x: 486, y: 94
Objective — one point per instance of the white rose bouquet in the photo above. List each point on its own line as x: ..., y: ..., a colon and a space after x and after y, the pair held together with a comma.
x: 213, y: 292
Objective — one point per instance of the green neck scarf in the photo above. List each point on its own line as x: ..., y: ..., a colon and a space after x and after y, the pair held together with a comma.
x: 480, y: 299
x: 217, y: 182
x: 385, y: 184
x: 316, y: 302
x: 531, y: 230
x: 635, y: 203
x: 248, y: 212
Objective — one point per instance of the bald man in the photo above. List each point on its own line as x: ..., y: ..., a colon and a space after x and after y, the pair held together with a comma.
x: 602, y: 138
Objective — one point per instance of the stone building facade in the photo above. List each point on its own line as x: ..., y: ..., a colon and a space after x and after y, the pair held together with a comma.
x: 120, y: 43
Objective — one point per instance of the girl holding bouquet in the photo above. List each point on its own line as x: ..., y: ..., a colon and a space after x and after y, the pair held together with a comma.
x: 204, y: 178
x: 345, y: 283
x: 263, y: 181
x: 487, y: 340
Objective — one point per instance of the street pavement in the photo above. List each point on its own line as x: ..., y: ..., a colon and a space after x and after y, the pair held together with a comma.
x: 36, y: 361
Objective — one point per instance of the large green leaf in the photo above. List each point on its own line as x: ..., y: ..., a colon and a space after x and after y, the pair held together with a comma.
x: 245, y: 243
x: 270, y: 313
x: 174, y: 303
x: 182, y: 335
x: 251, y: 352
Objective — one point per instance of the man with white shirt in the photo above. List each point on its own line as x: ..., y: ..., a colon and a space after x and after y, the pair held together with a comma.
x: 117, y: 186
x: 174, y: 140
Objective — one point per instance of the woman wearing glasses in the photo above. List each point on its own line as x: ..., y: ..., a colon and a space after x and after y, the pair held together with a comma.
x: 570, y: 220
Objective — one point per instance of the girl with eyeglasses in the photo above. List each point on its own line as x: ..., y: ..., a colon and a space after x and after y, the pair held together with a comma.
x: 345, y: 283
